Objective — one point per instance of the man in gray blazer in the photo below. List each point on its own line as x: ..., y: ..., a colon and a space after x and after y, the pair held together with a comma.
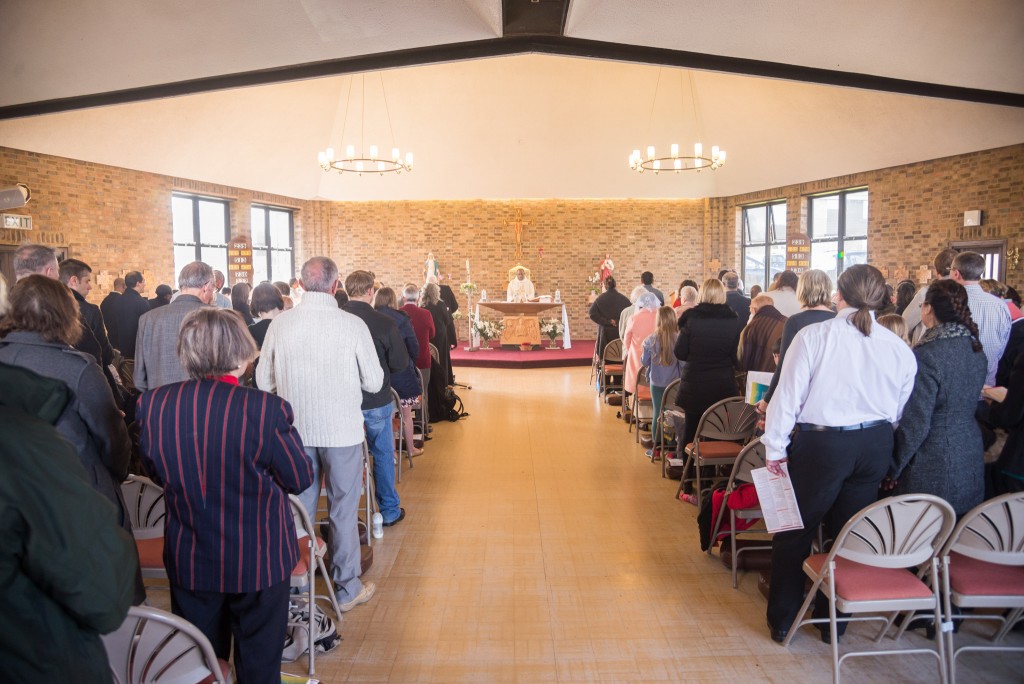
x: 156, y: 347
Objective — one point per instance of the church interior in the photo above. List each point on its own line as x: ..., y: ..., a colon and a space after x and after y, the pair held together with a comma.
x: 541, y: 545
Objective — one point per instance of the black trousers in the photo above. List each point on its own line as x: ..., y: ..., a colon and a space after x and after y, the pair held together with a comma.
x: 835, y: 475
x: 258, y: 621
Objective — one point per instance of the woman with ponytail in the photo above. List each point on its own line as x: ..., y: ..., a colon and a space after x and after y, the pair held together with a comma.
x: 842, y: 388
x: 938, y: 444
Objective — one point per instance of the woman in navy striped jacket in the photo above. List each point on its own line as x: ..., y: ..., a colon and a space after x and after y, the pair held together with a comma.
x: 227, y: 457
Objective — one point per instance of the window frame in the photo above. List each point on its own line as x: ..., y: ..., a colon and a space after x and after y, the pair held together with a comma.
x: 840, y: 237
x: 197, y: 244
x: 268, y: 245
x: 770, y: 237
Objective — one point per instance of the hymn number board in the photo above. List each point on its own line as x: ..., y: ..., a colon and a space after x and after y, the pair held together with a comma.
x: 798, y: 253
x: 240, y: 260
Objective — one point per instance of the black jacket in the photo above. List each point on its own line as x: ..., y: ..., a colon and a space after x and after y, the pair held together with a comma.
x: 1009, y: 414
x: 707, y: 342
x: 605, y: 311
x: 740, y: 303
x: 126, y: 311
x: 94, y: 335
x: 391, y: 351
x: 448, y: 297
x: 66, y: 568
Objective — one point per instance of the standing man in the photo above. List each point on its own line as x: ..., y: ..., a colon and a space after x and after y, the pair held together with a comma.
x: 737, y: 301
x: 912, y: 314
x: 77, y: 275
x: 647, y: 280
x: 127, y: 310
x: 520, y: 289
x: 423, y: 326
x: 320, y: 359
x: 109, y: 303
x: 156, y: 349
x: 377, y: 406
x: 988, y: 311
x: 35, y: 259
x: 162, y: 298
x: 605, y: 311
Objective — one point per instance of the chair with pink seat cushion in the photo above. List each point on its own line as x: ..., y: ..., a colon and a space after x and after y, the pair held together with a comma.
x: 866, y: 571
x: 144, y: 500
x: 982, y: 567
x: 721, y: 434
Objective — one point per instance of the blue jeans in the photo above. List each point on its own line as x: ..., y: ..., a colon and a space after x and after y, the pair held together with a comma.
x: 380, y: 436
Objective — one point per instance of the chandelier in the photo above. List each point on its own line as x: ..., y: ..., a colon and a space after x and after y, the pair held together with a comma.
x: 674, y: 161
x: 368, y: 159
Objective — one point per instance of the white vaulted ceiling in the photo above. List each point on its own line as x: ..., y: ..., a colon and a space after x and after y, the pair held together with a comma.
x: 519, y: 126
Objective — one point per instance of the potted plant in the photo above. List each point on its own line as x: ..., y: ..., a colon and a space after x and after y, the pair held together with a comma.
x: 552, y: 327
x: 487, y: 330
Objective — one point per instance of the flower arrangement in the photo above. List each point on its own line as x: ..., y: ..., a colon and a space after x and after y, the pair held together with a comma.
x: 468, y: 288
x: 457, y: 316
x: 595, y: 282
x: 552, y: 327
x: 487, y: 329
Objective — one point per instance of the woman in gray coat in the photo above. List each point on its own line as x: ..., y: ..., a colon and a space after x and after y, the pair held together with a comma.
x: 938, y: 443
x: 38, y: 331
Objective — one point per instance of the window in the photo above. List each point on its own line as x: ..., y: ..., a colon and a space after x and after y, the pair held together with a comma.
x: 200, y: 231
x: 838, y: 228
x: 272, y: 236
x: 764, y: 243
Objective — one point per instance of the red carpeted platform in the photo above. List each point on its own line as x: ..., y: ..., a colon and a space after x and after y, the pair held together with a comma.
x: 581, y: 354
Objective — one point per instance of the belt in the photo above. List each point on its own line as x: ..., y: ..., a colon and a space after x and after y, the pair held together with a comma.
x: 811, y: 427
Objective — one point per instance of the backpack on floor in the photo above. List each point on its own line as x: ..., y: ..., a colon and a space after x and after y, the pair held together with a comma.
x: 296, y: 640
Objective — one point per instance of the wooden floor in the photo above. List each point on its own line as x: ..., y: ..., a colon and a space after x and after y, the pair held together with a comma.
x: 541, y: 546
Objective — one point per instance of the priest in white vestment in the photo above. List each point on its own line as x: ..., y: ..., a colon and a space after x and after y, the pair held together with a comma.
x: 520, y: 289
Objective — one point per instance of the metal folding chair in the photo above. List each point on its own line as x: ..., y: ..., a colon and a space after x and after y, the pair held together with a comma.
x: 721, y: 433
x: 866, y: 570
x: 750, y: 457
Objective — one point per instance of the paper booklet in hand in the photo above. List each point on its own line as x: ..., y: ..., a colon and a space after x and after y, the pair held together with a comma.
x: 778, y: 501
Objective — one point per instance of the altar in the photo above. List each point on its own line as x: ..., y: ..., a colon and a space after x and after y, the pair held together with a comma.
x: 522, y: 325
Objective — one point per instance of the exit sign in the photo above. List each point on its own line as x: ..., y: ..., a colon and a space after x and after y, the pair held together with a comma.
x: 17, y: 221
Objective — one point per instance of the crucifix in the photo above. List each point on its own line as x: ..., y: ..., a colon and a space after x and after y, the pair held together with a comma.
x: 517, y: 224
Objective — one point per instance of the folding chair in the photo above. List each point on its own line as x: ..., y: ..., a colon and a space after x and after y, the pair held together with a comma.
x: 611, y: 367
x: 642, y: 404
x: 144, y: 500
x: 400, y: 446
x: 665, y: 425
x: 866, y: 570
x: 750, y: 457
x: 721, y: 433
x: 982, y: 566
x: 303, y: 580
x: 153, y: 646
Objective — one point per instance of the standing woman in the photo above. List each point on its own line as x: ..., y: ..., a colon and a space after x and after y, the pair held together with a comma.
x: 240, y: 301
x: 639, y: 327
x: 444, y: 330
x: 39, y: 330
x: 843, y: 386
x: 814, y: 292
x: 938, y: 443
x: 407, y: 382
x: 708, y: 337
x: 227, y: 457
x: 661, y: 362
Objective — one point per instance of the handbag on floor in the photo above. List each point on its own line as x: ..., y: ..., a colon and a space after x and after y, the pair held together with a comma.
x: 296, y: 640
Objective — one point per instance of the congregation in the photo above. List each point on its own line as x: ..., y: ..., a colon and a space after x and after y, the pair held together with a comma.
x: 221, y: 400
x: 874, y: 390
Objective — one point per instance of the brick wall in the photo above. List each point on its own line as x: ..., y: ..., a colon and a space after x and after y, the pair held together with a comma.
x: 118, y: 220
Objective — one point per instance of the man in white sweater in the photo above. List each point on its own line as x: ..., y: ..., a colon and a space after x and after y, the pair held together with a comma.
x: 320, y: 359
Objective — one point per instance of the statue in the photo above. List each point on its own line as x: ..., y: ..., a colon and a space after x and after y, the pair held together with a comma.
x: 520, y: 289
x: 431, y: 268
x: 606, y: 267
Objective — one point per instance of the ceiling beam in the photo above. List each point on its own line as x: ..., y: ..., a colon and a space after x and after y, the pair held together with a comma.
x: 499, y: 47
